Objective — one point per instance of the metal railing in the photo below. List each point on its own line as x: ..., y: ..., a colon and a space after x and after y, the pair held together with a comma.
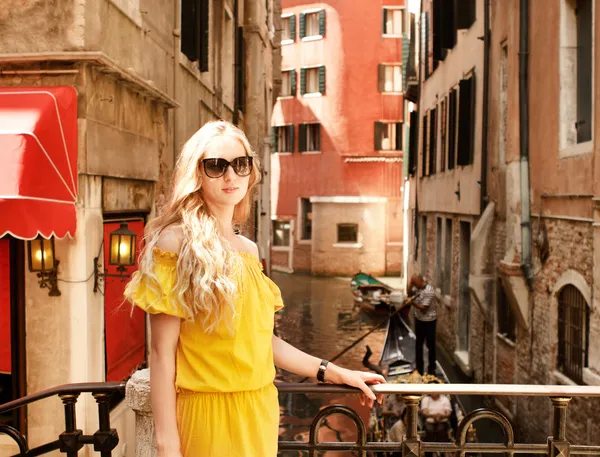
x: 106, y: 439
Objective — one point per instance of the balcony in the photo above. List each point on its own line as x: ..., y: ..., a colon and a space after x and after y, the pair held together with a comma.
x: 137, y: 390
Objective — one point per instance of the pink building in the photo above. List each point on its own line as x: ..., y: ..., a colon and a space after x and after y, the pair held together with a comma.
x: 338, y: 138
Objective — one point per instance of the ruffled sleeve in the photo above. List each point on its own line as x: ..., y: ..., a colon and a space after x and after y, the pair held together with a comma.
x: 278, y: 301
x: 155, y: 296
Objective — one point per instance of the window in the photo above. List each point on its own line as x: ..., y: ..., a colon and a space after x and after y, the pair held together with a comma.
x: 423, y: 245
x: 447, y: 259
x: 413, y: 140
x: 347, y: 233
x: 432, y: 141
x: 194, y: 31
x: 312, y: 24
x: 288, y: 83
x: 390, y: 78
x: 306, y: 219
x: 425, y: 43
x: 465, y: 13
x: 309, y: 137
x: 466, y: 121
x: 507, y: 325
x: 312, y: 80
x: 576, y: 72
x: 573, y: 333
x: 438, y: 254
x: 443, y: 132
x: 288, y: 32
x: 281, y: 233
x: 452, y: 116
x: 283, y: 138
x: 424, y: 147
x: 388, y: 136
x: 393, y: 21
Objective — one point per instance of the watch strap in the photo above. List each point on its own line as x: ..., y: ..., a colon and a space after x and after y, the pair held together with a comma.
x: 322, y: 370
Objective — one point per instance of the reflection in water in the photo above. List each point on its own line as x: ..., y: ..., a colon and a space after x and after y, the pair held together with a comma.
x: 320, y: 318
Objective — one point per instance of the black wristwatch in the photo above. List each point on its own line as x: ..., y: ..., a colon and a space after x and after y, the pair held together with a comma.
x: 322, y: 370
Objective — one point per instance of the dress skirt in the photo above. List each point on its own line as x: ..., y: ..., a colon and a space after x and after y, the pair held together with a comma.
x: 234, y: 424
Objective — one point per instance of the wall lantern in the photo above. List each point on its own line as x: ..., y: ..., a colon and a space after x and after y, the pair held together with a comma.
x: 122, y: 253
x: 42, y: 260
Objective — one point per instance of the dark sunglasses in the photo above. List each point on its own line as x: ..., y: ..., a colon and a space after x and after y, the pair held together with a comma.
x: 215, y: 168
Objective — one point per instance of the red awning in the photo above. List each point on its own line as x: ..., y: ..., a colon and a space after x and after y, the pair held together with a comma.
x: 38, y: 158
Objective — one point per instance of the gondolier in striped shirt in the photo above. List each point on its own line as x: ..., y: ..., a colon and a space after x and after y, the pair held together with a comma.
x: 422, y: 297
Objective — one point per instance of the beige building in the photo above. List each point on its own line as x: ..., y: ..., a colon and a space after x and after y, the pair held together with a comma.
x: 146, y: 75
x: 509, y: 234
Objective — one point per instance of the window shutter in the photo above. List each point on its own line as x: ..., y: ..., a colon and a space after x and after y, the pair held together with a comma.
x: 413, y: 141
x: 318, y: 133
x: 378, y: 135
x: 436, y: 26
x: 424, y: 147
x: 240, y: 70
x: 291, y: 137
x: 189, y: 29
x: 464, y: 13
x: 302, y: 137
x: 292, y: 20
x: 447, y: 26
x: 425, y: 43
x: 383, y: 27
x: 432, y: 141
x: 405, y: 54
x: 322, y: 79
x: 302, y: 81
x: 274, y: 139
x: 302, y: 25
x: 452, y: 118
x: 293, y: 82
x: 399, y: 132
x: 204, y: 42
x: 465, y: 120
x: 322, y: 22
x: 381, y: 77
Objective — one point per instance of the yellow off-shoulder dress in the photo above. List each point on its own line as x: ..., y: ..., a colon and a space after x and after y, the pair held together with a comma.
x: 227, y: 405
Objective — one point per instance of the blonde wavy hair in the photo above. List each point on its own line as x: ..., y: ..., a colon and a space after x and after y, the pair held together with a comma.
x: 204, y: 289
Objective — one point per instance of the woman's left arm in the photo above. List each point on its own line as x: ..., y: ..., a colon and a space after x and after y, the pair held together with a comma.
x: 288, y: 358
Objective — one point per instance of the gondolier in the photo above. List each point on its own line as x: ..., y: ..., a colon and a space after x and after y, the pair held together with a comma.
x: 422, y: 297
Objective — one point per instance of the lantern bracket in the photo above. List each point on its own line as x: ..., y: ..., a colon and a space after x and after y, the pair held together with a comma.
x: 48, y: 280
x: 98, y: 274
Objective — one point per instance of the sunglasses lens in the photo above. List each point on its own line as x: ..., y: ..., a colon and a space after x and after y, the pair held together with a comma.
x: 242, y: 165
x: 214, y: 168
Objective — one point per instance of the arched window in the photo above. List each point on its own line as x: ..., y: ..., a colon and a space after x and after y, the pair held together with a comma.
x: 573, y: 333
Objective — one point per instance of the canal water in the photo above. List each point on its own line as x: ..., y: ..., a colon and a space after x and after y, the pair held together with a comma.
x: 320, y: 318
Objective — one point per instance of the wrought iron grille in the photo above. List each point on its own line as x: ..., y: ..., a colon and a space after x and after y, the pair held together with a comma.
x: 573, y: 333
x: 106, y: 439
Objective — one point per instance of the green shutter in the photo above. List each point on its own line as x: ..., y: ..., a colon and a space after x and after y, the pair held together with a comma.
x: 381, y: 78
x: 322, y: 79
x: 384, y: 31
x: 377, y: 136
x: 399, y: 132
x: 273, y: 139
x: 291, y: 136
x: 293, y: 82
x: 302, y: 25
x: 405, y: 53
x: 322, y: 22
x: 302, y: 81
x: 293, y: 27
x: 302, y: 137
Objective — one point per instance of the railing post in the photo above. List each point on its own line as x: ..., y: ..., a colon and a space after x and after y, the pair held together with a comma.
x: 137, y: 395
x: 558, y: 445
x: 70, y: 439
x: 411, y: 447
x: 106, y: 438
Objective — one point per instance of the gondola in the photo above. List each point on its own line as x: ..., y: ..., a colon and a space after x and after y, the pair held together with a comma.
x: 374, y: 296
x: 397, y: 363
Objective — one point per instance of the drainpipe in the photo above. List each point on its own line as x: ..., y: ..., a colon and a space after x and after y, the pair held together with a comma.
x: 526, y: 238
x: 176, y: 47
x: 486, y: 97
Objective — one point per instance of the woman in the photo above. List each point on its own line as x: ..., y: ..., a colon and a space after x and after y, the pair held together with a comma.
x: 212, y: 311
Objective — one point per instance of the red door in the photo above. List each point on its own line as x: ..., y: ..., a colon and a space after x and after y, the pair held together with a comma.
x: 125, y: 332
x: 5, y: 337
